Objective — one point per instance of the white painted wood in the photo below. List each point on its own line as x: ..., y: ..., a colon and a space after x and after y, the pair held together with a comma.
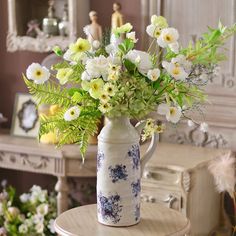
x: 156, y: 220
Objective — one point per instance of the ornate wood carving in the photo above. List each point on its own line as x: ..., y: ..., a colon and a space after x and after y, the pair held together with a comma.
x: 186, y: 181
x: 40, y: 164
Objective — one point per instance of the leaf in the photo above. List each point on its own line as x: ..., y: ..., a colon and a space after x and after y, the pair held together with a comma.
x: 130, y: 66
x: 61, y: 65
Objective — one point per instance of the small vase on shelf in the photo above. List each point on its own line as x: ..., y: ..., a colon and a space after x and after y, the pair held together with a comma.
x: 64, y: 24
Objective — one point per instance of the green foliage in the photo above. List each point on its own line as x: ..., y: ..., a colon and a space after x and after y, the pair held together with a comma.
x: 126, y: 46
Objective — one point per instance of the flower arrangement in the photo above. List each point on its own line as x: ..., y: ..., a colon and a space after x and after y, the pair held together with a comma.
x: 117, y: 80
x: 31, y: 213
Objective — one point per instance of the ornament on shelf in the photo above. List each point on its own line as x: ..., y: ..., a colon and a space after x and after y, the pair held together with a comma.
x: 50, y: 23
x: 33, y: 28
x: 64, y: 24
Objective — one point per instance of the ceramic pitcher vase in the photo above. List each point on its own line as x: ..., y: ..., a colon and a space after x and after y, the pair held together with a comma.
x: 119, y: 170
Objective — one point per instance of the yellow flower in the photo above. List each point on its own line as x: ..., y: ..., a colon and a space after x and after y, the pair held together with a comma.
x: 109, y: 89
x: 63, y: 75
x: 81, y: 45
x: 49, y: 138
x: 96, y: 87
x: 159, y: 21
x: 113, y: 76
x: 160, y: 128
x: 105, y: 107
x: 123, y: 29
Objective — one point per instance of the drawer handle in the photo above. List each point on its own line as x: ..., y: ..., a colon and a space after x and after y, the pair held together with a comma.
x: 170, y: 200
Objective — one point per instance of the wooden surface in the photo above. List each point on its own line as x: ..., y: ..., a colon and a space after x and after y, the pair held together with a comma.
x: 155, y: 220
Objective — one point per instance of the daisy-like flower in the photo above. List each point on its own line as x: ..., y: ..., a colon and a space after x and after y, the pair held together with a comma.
x: 160, y: 128
x: 39, y: 74
x: 154, y: 74
x: 182, y: 61
x: 104, y: 98
x: 72, y: 114
x: 153, y: 31
x: 172, y: 113
x: 175, y: 70
x: 223, y: 171
x: 132, y: 36
x: 168, y: 36
x: 105, y: 107
x: 63, y: 75
x: 114, y: 68
x: 113, y: 76
x: 96, y: 88
x: 81, y: 45
x: 23, y: 229
x: 109, y: 89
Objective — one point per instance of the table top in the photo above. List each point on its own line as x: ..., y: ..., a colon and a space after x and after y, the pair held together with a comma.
x: 155, y: 220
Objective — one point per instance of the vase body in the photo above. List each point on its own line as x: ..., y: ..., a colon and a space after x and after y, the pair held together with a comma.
x: 118, y: 174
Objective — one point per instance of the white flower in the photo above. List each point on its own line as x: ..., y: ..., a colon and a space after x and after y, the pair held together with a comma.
x: 1, y: 208
x: 37, y: 219
x: 67, y: 55
x: 24, y: 197
x: 132, y: 36
x: 51, y: 226
x: 72, y: 114
x: 97, y: 67
x: 85, y: 76
x: 174, y: 47
x: 153, y: 74
x: 13, y: 211
x: 109, y: 89
x: 95, y: 44
x: 182, y: 61
x: 42, y: 209
x: 223, y: 170
x: 23, y: 229
x: 175, y: 70
x: 172, y: 113
x: 153, y: 31
x: 168, y: 36
x: 145, y: 63
x: 39, y: 228
x: 39, y: 74
x: 204, y: 127
x: 105, y: 107
x: 190, y: 123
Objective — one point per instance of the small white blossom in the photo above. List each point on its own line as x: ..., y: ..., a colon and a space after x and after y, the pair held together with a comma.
x: 172, y: 113
x: 39, y: 74
x: 181, y: 60
x: 24, y: 197
x: 51, y: 226
x: 204, y: 127
x: 175, y: 70
x: 153, y: 74
x: 42, y: 209
x: 132, y: 36
x: 85, y: 76
x: 72, y: 114
x: 168, y: 36
x: 23, y: 229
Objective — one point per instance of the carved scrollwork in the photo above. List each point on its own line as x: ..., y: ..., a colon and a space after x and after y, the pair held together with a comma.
x: 198, y: 138
x: 41, y: 164
x: 186, y: 181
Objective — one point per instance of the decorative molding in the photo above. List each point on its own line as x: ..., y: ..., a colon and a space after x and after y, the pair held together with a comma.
x: 41, y: 164
x: 198, y: 138
x: 186, y: 181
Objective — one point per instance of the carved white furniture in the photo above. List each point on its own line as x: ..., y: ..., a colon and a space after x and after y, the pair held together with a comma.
x: 27, y: 155
x: 19, y: 10
x: 155, y: 220
x: 177, y: 176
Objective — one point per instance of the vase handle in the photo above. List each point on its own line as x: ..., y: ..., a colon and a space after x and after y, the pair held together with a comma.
x: 152, y: 146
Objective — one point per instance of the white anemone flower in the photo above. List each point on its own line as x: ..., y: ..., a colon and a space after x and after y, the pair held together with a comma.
x: 72, y: 114
x: 39, y: 74
x: 223, y: 171
x: 172, y: 113
x: 85, y: 76
x: 175, y: 70
x: 174, y: 47
x: 132, y: 36
x: 141, y: 59
x: 154, y: 74
x: 168, y: 36
x: 182, y: 61
x: 153, y: 31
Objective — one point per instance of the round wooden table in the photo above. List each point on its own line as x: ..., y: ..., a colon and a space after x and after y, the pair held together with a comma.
x: 156, y: 220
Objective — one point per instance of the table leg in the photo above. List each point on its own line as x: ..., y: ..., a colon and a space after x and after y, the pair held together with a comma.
x: 62, y: 194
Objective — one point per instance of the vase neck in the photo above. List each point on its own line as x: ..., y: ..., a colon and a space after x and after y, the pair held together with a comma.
x: 119, y: 120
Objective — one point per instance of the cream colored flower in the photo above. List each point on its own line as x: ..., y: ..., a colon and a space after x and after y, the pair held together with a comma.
x: 153, y: 74
x: 23, y: 229
x: 85, y: 76
x: 132, y: 36
x: 159, y: 21
x: 81, y: 45
x: 182, y: 61
x: 172, y: 113
x: 160, y: 128
x: 96, y: 88
x: 63, y: 75
x: 110, y: 89
x: 168, y: 36
x: 72, y: 114
x: 85, y: 85
x: 123, y: 29
x: 105, y: 107
x: 175, y: 70
x: 42, y: 209
x: 153, y: 31
x: 104, y: 98
x: 39, y: 74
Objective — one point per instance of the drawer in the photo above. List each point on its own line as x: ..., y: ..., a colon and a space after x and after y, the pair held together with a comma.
x: 162, y: 175
x: 171, y: 199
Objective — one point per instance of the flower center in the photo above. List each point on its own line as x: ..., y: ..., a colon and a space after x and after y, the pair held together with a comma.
x: 38, y: 73
x: 168, y: 38
x: 72, y: 113
x: 176, y: 71
x: 172, y: 111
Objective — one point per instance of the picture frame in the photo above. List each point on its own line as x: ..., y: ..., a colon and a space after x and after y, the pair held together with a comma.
x: 25, y: 119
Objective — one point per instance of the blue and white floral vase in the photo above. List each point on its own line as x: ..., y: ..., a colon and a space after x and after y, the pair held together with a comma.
x: 119, y: 171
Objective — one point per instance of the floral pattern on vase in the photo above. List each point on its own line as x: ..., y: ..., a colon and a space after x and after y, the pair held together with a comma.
x: 110, y: 207
x: 137, y: 212
x: 118, y: 172
x: 136, y: 188
x: 100, y: 158
x: 134, y: 153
